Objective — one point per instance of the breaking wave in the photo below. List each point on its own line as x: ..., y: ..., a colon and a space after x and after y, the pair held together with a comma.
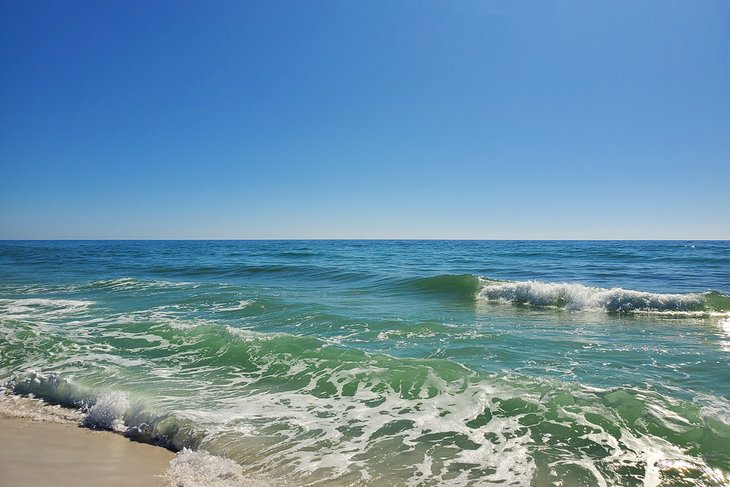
x: 569, y: 296
x: 578, y: 297
x: 511, y: 433
x: 462, y: 286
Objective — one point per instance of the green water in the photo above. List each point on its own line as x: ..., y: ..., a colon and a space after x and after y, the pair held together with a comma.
x: 399, y: 363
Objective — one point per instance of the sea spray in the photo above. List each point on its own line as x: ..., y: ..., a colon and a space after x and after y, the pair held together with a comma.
x: 108, y: 411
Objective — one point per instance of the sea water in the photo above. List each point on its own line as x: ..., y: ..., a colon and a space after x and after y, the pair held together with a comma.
x: 521, y: 363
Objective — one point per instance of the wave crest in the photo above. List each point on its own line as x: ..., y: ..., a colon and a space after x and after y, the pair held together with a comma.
x: 578, y: 297
x: 570, y: 296
x: 108, y: 411
x: 462, y: 286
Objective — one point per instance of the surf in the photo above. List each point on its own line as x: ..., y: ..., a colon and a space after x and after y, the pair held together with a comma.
x: 569, y: 296
x: 580, y: 297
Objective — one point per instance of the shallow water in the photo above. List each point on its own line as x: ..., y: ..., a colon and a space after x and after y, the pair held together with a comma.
x: 400, y: 362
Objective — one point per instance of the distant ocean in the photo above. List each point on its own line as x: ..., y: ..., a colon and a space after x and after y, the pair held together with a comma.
x: 510, y: 363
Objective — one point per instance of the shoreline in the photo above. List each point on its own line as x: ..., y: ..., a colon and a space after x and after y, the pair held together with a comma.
x: 46, y: 444
x: 34, y: 452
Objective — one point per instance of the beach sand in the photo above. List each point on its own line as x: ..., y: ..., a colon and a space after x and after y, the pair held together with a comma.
x: 61, y: 454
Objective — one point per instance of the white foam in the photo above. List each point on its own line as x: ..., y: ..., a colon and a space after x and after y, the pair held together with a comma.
x: 725, y: 337
x: 50, y: 387
x: 232, y: 417
x: 108, y: 411
x: 579, y: 297
x: 132, y: 284
x: 236, y: 307
x: 312, y: 450
x: 40, y: 308
x: 15, y: 406
x: 201, y: 469
x: 104, y: 410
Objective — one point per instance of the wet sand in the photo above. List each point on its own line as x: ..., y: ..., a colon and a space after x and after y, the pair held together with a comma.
x: 60, y: 454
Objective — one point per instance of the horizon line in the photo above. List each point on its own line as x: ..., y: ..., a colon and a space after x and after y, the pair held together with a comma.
x: 373, y: 239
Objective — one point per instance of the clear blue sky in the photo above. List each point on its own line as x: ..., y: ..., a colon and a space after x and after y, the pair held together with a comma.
x: 319, y: 119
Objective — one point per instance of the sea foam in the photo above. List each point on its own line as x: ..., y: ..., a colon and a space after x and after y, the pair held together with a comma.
x: 108, y: 411
x: 579, y: 297
x: 41, y: 308
x: 201, y: 469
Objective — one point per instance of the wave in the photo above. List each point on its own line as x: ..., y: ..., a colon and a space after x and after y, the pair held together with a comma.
x: 15, y: 406
x: 104, y: 409
x: 269, y: 270
x: 569, y: 296
x: 41, y: 308
x: 189, y: 468
x: 99, y: 409
x: 487, y: 429
x: 460, y: 286
x: 132, y: 284
x: 579, y: 297
x: 108, y: 411
x: 298, y: 409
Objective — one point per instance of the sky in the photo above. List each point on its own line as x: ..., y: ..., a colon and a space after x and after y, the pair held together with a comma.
x: 378, y: 119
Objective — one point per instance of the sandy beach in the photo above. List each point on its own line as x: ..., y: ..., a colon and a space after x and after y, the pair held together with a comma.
x: 62, y: 454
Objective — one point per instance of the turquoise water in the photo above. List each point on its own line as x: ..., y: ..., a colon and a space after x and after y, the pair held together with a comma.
x: 388, y: 362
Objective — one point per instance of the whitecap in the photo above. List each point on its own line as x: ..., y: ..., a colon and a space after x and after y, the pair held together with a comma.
x: 579, y: 297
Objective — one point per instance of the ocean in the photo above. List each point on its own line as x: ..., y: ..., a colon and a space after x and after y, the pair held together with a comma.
x: 506, y: 363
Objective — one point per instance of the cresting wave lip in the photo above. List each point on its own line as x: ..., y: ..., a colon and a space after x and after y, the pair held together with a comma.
x: 571, y: 296
x: 460, y: 286
x: 189, y: 468
x: 99, y: 409
x: 579, y: 297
